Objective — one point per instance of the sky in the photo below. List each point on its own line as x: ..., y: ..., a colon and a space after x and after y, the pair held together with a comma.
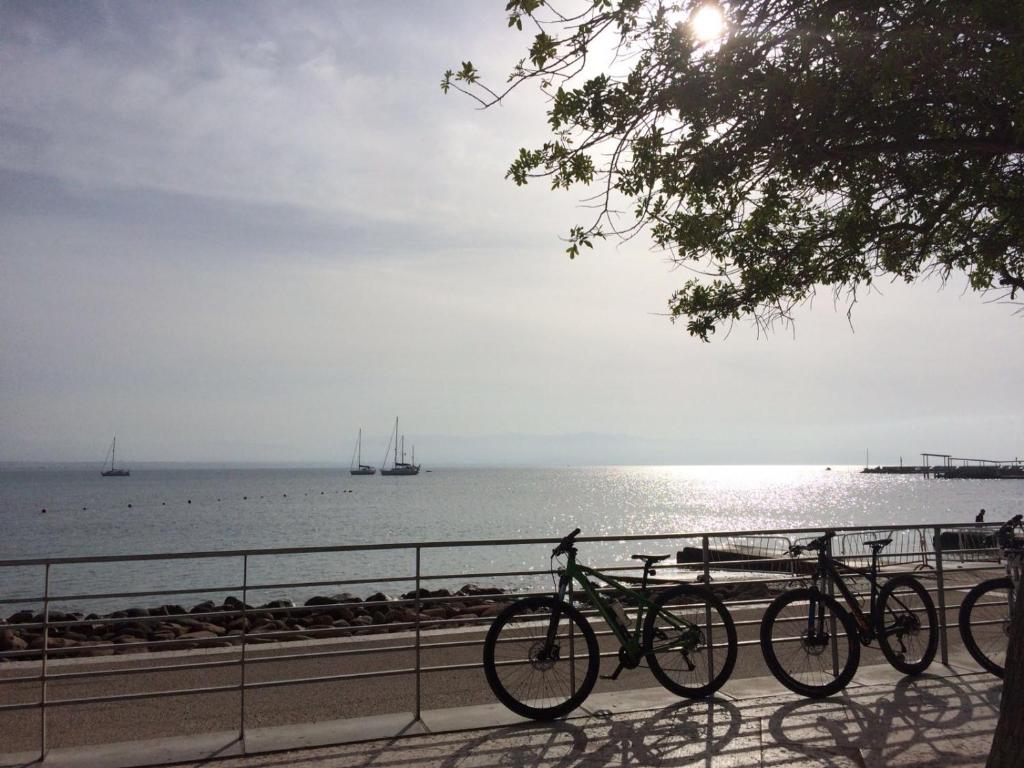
x: 241, y: 232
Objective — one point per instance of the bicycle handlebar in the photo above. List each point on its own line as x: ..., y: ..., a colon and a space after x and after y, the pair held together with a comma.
x: 816, y: 545
x: 566, y: 544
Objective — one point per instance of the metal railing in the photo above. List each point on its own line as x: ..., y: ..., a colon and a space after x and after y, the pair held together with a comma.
x: 741, y: 565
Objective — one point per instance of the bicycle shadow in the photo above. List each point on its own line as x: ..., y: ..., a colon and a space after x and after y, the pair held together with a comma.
x: 682, y: 734
x: 928, y: 716
x: 557, y: 744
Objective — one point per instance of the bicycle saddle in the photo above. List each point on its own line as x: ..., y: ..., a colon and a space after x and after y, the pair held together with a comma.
x: 651, y: 558
x: 878, y: 543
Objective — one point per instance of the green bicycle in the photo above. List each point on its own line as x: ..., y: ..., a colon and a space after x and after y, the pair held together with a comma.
x: 542, y: 657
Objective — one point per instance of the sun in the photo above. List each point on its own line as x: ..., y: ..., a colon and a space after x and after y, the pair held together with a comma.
x: 707, y: 22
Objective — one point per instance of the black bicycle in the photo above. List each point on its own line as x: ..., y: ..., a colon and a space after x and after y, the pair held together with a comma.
x: 986, y: 614
x: 541, y: 655
x: 812, y: 644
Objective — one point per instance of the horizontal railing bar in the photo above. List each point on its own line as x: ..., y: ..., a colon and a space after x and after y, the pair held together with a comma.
x: 21, y: 600
x: 155, y: 593
x: 26, y: 705
x: 93, y: 673
x: 143, y: 695
x: 206, y: 554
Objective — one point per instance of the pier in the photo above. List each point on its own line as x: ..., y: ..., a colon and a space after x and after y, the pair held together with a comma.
x: 944, y: 465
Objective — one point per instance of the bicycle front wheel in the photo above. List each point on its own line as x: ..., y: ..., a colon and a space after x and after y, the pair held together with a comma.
x: 531, y: 676
x: 985, y: 623
x: 906, y: 624
x: 690, y: 641
x: 810, y: 643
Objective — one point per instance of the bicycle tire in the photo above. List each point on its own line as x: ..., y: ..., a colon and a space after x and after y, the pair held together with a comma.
x: 522, y: 645
x: 699, y: 601
x: 840, y: 678
x: 891, y: 607
x: 966, y: 621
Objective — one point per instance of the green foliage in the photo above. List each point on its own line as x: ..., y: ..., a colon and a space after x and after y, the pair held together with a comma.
x: 818, y: 143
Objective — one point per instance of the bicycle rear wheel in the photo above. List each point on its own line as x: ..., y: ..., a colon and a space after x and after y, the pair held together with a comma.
x: 531, y: 678
x: 985, y: 623
x: 906, y: 624
x: 810, y: 643
x: 689, y: 641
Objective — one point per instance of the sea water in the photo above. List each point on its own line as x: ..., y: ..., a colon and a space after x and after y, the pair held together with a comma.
x: 169, y: 510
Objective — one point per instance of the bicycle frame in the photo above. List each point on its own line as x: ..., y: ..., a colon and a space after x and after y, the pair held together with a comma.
x: 826, y: 568
x: 630, y: 640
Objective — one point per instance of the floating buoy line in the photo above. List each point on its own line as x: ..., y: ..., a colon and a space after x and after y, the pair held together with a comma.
x: 154, y: 505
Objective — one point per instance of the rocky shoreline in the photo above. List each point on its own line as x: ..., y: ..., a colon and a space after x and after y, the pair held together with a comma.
x: 212, y: 625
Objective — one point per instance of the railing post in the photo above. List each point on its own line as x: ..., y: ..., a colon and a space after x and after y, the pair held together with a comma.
x: 46, y: 647
x: 941, y: 584
x: 706, y: 556
x: 418, y: 606
x: 831, y: 588
x: 245, y: 631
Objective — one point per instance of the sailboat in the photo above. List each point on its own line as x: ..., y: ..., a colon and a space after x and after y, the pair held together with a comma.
x: 113, y: 471
x: 356, y: 467
x: 399, y: 468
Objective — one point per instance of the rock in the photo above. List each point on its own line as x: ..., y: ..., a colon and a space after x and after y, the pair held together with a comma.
x: 421, y: 593
x: 379, y: 597
x: 55, y: 643
x: 206, y: 606
x: 279, y: 604
x: 475, y: 590
x: 341, y: 623
x: 137, y: 613
x: 167, y: 610
x: 21, y: 617
x: 129, y: 644
x: 234, y: 604
x: 440, y: 593
x: 173, y: 627
x: 320, y: 600
x: 492, y: 610
x: 321, y: 620
x: 196, y: 638
x: 436, y: 613
x: 10, y: 641
x: 362, y: 621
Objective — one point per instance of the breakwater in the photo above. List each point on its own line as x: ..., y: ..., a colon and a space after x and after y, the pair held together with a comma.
x: 212, y: 625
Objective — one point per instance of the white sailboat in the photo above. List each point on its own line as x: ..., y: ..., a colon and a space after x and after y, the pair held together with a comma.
x: 113, y: 471
x: 399, y: 468
x: 356, y: 466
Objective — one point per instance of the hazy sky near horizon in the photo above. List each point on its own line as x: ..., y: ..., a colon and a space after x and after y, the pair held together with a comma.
x: 242, y: 231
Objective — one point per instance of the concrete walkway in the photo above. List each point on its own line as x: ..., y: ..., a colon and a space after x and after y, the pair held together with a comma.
x: 943, y: 718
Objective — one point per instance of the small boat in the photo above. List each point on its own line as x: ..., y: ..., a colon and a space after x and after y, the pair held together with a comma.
x: 113, y: 471
x: 356, y: 466
x: 399, y: 468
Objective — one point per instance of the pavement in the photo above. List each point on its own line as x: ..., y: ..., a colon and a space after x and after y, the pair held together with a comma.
x: 945, y: 717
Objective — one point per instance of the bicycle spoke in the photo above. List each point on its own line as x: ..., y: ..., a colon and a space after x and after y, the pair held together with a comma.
x: 812, y: 657
x: 528, y: 669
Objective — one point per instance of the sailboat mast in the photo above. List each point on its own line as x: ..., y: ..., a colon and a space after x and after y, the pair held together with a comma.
x: 359, y: 447
x: 113, y: 452
x: 396, y: 440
